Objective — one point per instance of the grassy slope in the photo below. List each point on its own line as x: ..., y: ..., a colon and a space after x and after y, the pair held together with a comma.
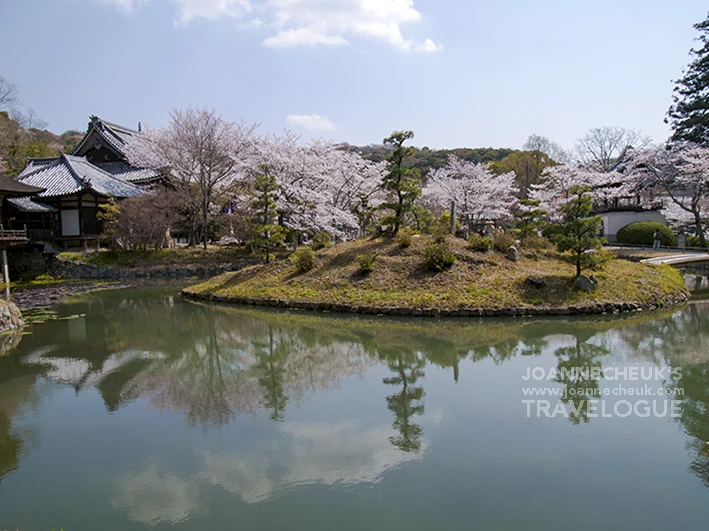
x: 476, y: 280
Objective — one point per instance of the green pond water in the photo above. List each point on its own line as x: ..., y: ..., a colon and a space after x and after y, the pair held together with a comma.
x: 134, y: 409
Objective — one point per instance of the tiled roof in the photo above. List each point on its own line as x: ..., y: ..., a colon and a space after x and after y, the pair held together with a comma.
x: 67, y: 175
x: 12, y: 188
x: 126, y: 172
x: 115, y: 135
x: 25, y: 204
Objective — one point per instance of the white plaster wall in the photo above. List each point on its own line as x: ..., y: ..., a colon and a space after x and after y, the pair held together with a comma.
x: 614, y: 221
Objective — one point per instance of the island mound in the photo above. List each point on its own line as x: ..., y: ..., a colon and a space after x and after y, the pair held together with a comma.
x: 477, y: 283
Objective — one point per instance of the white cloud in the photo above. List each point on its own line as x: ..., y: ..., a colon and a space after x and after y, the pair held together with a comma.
x: 157, y: 496
x: 343, y: 453
x: 308, y: 22
x: 211, y: 9
x: 302, y: 37
x: 313, y: 122
x: 127, y: 6
x: 428, y: 46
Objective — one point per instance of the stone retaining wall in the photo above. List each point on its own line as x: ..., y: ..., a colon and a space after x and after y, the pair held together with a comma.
x: 670, y: 300
x: 79, y: 271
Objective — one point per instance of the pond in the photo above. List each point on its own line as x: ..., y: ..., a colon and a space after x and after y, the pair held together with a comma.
x: 134, y: 409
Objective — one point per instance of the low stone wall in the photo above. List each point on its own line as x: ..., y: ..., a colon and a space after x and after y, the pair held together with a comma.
x: 79, y: 271
x: 670, y: 300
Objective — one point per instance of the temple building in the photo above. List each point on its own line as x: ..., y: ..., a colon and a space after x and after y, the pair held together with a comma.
x: 104, y: 145
x: 65, y: 213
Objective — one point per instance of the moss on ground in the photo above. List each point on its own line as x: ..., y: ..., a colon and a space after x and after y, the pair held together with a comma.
x: 476, y: 280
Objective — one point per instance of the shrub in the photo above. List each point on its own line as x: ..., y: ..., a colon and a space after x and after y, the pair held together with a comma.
x: 437, y: 257
x: 405, y: 238
x: 304, y: 259
x: 502, y: 241
x: 321, y: 240
x: 479, y: 244
x: 26, y: 266
x: 536, y: 243
x: 643, y: 233
x: 366, y: 262
x: 552, y: 231
x: 602, y: 258
x: 693, y: 241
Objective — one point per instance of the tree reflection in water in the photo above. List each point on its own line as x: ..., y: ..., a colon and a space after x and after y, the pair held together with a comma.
x: 407, y: 367
x: 580, y: 385
x: 213, y: 363
x: 682, y: 340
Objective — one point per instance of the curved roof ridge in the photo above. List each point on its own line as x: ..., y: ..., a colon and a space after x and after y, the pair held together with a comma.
x: 122, y: 187
x: 95, y: 118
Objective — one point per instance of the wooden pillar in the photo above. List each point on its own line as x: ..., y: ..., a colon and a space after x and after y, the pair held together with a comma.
x: 81, y: 219
x: 5, y: 267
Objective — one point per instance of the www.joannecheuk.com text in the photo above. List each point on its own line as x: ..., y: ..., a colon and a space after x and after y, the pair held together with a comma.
x: 609, y: 373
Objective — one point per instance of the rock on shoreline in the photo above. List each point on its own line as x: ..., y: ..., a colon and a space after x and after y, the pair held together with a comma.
x: 10, y: 317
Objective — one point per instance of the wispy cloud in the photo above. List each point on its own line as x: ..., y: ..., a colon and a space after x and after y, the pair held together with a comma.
x: 312, y: 122
x: 308, y: 22
x: 126, y: 6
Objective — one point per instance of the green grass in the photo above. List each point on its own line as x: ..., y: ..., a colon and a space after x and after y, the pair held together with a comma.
x: 476, y: 280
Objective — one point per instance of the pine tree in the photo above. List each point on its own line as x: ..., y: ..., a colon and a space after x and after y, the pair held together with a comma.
x: 404, y: 182
x: 580, y: 230
x: 530, y: 217
x: 689, y: 113
x: 267, y: 234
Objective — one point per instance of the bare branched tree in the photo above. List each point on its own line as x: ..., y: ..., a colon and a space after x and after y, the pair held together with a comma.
x: 8, y: 94
x: 146, y: 221
x: 603, y: 149
x: 204, y: 157
x: 541, y: 144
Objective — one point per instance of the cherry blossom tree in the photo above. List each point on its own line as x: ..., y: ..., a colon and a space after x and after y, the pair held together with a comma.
x: 204, y: 158
x: 604, y: 187
x: 478, y: 193
x: 682, y: 172
x: 321, y: 187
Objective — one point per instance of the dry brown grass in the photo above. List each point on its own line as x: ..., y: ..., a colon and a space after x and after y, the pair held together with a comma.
x: 476, y: 280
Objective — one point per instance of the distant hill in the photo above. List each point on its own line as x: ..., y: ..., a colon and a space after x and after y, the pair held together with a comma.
x: 426, y: 159
x: 18, y: 143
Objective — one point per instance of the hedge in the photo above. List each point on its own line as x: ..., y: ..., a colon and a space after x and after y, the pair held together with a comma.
x: 643, y: 233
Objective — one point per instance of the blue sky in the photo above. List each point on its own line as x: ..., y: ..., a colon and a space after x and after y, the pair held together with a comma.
x: 460, y: 73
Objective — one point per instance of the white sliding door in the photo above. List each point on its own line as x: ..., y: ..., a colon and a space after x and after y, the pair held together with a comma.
x: 70, y: 222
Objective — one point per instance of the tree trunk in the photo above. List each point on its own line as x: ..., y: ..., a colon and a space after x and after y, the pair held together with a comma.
x: 700, y: 230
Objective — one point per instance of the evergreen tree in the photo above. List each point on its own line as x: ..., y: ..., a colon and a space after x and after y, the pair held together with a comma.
x: 580, y: 230
x: 109, y: 214
x: 404, y: 182
x: 689, y: 113
x: 267, y: 234
x: 530, y: 217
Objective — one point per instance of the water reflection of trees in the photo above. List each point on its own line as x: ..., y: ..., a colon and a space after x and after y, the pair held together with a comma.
x: 580, y: 387
x: 407, y: 368
x: 270, y: 367
x: 16, y: 394
x: 215, y: 363
x: 682, y: 340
